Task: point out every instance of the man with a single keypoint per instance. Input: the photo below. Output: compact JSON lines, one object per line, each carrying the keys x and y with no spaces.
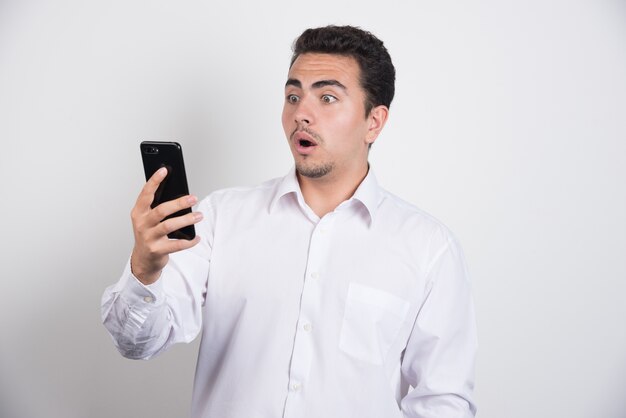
{"x":318,"y":294}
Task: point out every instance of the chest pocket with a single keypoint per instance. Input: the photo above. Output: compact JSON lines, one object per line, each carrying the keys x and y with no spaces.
{"x":371,"y":322}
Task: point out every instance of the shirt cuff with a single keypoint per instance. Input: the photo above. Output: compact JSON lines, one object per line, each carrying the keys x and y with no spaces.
{"x":140,"y":295}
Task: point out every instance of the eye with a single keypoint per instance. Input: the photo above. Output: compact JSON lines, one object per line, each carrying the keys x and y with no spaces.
{"x":327,"y":98}
{"x":292,"y":98}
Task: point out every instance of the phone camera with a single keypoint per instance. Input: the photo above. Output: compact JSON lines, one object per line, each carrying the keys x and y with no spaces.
{"x":152,"y":150}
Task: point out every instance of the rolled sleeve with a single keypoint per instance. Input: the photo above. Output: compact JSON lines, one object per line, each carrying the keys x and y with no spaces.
{"x":133,"y":313}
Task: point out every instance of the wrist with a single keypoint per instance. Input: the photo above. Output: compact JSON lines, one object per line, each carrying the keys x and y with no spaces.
{"x":145,"y":276}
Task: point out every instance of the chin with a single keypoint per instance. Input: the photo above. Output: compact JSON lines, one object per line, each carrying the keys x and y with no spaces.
{"x":314,"y":171}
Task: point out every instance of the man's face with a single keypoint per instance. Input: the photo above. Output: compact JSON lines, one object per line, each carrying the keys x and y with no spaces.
{"x":324,"y":116}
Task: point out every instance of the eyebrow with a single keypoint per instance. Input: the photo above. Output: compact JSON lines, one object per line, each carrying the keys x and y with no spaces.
{"x":317,"y":85}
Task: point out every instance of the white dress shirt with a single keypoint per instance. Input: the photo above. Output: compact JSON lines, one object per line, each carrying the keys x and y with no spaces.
{"x":364,"y":313}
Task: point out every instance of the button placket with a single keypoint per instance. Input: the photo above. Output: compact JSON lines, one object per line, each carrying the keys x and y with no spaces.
{"x":303,"y":351}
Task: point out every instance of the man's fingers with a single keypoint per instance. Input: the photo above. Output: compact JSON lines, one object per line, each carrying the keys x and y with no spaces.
{"x":164,"y":246}
{"x":178,"y":222}
{"x":168,"y":246}
{"x":182,"y":244}
{"x":146,"y":196}
{"x":165,"y":209}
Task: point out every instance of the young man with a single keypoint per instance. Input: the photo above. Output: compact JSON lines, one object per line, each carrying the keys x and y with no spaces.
{"x":318,"y":294}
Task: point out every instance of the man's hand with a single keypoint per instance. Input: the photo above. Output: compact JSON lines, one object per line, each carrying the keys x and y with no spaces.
{"x":152,"y":246}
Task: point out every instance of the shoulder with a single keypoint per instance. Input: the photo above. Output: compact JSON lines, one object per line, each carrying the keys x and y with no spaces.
{"x":252,"y":197}
{"x":412,"y":224}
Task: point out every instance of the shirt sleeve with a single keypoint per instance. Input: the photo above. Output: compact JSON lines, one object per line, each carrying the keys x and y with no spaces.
{"x":438,"y":362}
{"x":146,"y":320}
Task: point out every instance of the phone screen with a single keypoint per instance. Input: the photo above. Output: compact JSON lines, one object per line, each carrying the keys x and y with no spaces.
{"x":157,"y":154}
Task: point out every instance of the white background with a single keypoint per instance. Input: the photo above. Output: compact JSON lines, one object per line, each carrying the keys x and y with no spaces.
{"x":509,"y":125}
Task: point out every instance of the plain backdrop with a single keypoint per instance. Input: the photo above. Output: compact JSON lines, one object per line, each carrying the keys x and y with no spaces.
{"x":509,"y":125}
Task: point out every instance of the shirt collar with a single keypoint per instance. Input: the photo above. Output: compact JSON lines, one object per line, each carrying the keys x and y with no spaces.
{"x":368,"y":193}
{"x":287,"y":185}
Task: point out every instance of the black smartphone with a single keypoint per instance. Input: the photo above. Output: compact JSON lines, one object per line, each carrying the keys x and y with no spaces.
{"x":157,"y":154}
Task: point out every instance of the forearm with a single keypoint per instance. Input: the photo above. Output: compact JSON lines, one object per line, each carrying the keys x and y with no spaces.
{"x":146,"y":316}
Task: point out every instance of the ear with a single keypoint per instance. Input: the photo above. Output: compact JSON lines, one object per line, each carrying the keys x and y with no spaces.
{"x":377,"y":119}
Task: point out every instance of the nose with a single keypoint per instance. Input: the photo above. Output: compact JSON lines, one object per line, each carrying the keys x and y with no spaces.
{"x":304,"y":112}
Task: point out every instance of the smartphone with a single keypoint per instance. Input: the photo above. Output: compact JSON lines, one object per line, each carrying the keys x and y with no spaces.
{"x":157,"y":154}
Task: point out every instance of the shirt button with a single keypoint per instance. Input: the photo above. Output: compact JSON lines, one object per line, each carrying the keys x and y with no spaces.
{"x":323,"y":230}
{"x":307,"y":327}
{"x":315,"y":275}
{"x":148,"y":299}
{"x":296,"y":386}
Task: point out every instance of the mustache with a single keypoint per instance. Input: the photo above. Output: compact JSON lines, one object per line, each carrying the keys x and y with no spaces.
{"x":307,"y":130}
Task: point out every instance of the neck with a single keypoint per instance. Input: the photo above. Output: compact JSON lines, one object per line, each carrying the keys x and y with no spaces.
{"x":324,"y":194}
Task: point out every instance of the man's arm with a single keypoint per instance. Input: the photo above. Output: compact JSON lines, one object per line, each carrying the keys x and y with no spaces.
{"x":158,"y":299}
{"x":439,"y":359}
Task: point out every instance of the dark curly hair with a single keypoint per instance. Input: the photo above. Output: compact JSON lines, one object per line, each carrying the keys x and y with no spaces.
{"x":377,"y":73}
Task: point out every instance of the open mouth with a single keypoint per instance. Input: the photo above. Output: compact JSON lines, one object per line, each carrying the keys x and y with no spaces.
{"x":304,"y":142}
